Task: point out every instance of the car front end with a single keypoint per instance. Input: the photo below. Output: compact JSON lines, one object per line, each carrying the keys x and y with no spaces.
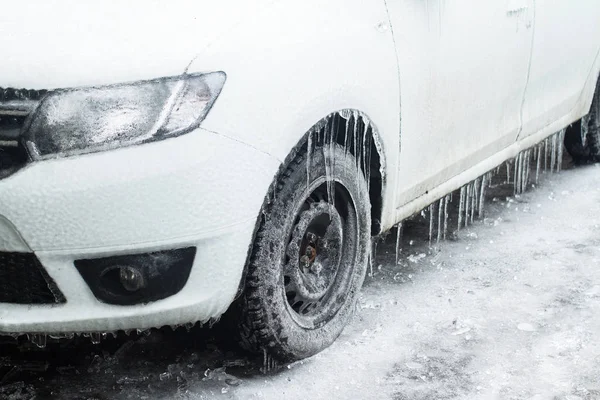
{"x":118,"y":210}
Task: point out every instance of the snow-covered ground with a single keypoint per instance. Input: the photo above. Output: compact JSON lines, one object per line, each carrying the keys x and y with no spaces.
{"x":509,"y":309}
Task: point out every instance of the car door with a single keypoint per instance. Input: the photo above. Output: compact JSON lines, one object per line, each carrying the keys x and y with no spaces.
{"x":566,"y":43}
{"x":463,"y":67}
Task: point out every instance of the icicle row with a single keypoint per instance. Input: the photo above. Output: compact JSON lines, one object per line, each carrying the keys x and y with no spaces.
{"x":546,"y":154}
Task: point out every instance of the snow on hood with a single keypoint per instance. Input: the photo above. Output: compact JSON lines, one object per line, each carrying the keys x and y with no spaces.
{"x":57,"y":44}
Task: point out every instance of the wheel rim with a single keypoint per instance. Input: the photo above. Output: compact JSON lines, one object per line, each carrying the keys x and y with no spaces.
{"x":320,"y":255}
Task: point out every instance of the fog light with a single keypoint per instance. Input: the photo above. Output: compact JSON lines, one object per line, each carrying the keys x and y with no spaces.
{"x":137,"y":278}
{"x":132,"y":279}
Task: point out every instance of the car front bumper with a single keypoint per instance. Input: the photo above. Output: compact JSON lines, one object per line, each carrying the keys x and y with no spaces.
{"x":200,"y":189}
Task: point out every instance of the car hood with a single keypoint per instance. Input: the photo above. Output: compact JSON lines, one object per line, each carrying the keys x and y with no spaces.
{"x":58,"y":44}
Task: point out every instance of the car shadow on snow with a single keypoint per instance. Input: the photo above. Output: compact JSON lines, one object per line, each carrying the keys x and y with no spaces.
{"x":154,"y":364}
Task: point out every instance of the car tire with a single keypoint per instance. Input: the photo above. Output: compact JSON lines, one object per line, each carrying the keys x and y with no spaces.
{"x":582,"y":139}
{"x":309,"y":258}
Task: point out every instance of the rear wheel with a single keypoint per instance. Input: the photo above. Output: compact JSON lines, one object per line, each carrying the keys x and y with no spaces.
{"x":582,"y":139}
{"x":309,"y":258}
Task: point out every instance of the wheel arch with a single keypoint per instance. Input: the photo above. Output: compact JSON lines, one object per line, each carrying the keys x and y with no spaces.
{"x":343,"y":123}
{"x":356,"y":132}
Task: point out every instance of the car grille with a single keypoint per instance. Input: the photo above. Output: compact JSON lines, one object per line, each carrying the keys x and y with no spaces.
{"x":15,"y":106}
{"x":23,"y":280}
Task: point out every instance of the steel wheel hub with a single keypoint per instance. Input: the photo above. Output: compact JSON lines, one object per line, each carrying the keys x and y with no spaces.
{"x":314,"y":253}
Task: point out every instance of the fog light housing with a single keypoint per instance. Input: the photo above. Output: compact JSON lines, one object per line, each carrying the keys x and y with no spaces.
{"x":137,"y":278}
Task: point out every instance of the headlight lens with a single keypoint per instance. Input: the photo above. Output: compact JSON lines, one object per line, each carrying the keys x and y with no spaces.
{"x":86,"y":120}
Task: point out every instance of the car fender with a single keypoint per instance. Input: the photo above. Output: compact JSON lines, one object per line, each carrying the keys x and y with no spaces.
{"x":291,"y":64}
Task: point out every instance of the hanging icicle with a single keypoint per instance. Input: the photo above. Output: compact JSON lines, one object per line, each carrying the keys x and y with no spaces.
{"x":447,"y":199}
{"x":366,"y":154}
{"x":561,"y":140}
{"x":484,"y":181}
{"x":474,"y":199}
{"x":467,"y":204}
{"x":440,"y":215}
{"x":461,"y":206}
{"x":372,"y":255}
{"x":398,"y":242}
{"x":346,"y":131}
{"x":538,"y":164}
{"x":546,"y":155}
{"x":308,"y":158}
{"x":431,"y":218}
{"x":553,"y":154}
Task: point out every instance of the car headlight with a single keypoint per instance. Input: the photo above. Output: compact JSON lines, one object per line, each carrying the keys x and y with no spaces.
{"x":85,"y":120}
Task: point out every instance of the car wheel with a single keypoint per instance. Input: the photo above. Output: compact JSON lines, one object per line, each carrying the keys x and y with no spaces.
{"x":309,"y":258}
{"x":582,"y":139}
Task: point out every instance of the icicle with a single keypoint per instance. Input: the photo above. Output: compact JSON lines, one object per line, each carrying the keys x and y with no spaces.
{"x":508,"y":172}
{"x":519,"y":172}
{"x":545,"y":154}
{"x":553,"y":154}
{"x":467,"y":200}
{"x":366,"y":151}
{"x":519,"y":180}
{"x":478,"y":183}
{"x":347,"y":128}
{"x":330,"y":180}
{"x":355,"y":134}
{"x":327,"y":173}
{"x":461,"y":206}
{"x":561,"y":140}
{"x":446,"y":200}
{"x":522,"y":170}
{"x":516,"y":177}
{"x":356,"y":148}
{"x":95,"y":337}
{"x":326,"y":159}
{"x":439,"y":225}
{"x":431,"y":218}
{"x":308,"y":155}
{"x":482,"y":195}
{"x":372,"y":256}
{"x":585,"y":124}
{"x":526,"y":167}
{"x":538,"y":165}
{"x":398,"y":242}
{"x":525,"y":170}
{"x":524,"y":178}
{"x":473,"y":200}
{"x":39,"y":339}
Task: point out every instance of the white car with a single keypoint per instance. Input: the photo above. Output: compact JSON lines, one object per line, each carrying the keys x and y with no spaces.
{"x":160,"y":161}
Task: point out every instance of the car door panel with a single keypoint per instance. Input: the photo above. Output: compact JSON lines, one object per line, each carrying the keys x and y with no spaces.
{"x":565,"y":45}
{"x":463,"y":70}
